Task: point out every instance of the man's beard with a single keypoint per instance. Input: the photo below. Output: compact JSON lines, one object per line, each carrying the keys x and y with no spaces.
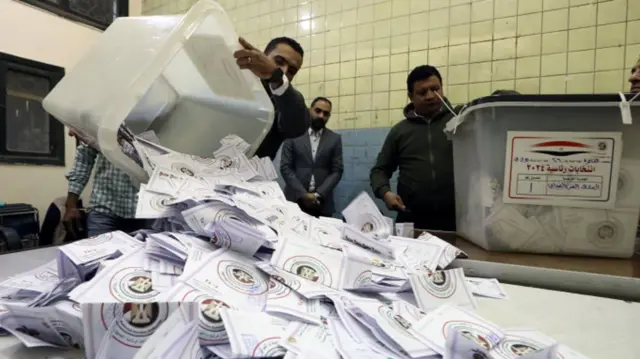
{"x":317,"y":124}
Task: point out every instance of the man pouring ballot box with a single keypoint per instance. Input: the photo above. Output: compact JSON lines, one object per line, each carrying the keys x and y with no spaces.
{"x":276,"y":67}
{"x":114,"y":197}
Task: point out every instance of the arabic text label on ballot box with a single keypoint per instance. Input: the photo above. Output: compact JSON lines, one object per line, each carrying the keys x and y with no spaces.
{"x":553,"y":174}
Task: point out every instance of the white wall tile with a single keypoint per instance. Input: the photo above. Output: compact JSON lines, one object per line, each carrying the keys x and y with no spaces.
{"x":359,"y":52}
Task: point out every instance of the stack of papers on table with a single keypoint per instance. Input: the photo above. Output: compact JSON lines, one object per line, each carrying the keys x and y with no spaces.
{"x":231,"y":269}
{"x":82,"y":258}
{"x":36,"y":287}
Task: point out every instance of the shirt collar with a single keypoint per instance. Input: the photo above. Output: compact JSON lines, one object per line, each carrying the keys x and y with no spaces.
{"x":315,"y":133}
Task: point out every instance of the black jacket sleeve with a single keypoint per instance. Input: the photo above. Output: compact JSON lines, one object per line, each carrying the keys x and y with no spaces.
{"x":386,"y":164}
{"x":293,"y":115}
{"x":337,"y":168}
{"x":287,"y":171}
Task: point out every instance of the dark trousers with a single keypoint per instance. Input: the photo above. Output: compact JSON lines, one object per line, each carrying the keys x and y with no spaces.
{"x":99,"y":223}
{"x":52,"y":220}
{"x":432,"y":221}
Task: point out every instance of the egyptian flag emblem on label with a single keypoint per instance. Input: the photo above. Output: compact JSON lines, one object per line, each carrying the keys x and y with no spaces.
{"x":566,"y":148}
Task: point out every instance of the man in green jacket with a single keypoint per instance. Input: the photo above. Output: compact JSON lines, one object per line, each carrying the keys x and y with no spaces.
{"x":419,"y":148}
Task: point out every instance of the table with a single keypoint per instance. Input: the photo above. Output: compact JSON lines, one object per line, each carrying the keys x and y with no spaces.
{"x":610,"y":266}
{"x":10,"y":347}
{"x":623,"y":267}
{"x":596,"y":327}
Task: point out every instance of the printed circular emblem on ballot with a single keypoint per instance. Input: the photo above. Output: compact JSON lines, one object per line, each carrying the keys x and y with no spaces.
{"x":517,"y":346}
{"x":242,"y":278}
{"x":202,"y":160}
{"x":439,"y":284}
{"x":370,"y":224}
{"x":210,"y":328}
{"x":472,"y":331}
{"x":224,"y":213}
{"x":76,"y":307}
{"x":414,"y":312}
{"x":63,"y":330}
{"x":138,"y":321}
{"x":225,"y":162}
{"x":159,"y":203}
{"x":395,"y":320}
{"x":220,"y":238}
{"x":94,"y":241}
{"x":277,"y":289}
{"x":289,"y":282}
{"x":48,"y":276}
{"x":270,"y":191}
{"x":606,"y":234}
{"x":268,"y":348}
{"x":132,"y":284}
{"x":367,"y":227}
{"x":309,"y":268}
{"x":363,"y":279}
{"x":319,"y":234}
{"x":183,"y":168}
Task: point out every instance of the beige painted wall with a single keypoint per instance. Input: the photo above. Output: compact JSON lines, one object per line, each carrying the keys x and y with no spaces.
{"x":359,"y":52}
{"x":39,"y":35}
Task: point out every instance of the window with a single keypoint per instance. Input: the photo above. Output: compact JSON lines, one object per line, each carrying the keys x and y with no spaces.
{"x":97,"y":13}
{"x":28,"y":134}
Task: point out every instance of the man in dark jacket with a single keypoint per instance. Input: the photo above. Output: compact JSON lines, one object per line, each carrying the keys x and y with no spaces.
{"x":423,"y":153}
{"x":634,"y":79}
{"x":277,"y":66}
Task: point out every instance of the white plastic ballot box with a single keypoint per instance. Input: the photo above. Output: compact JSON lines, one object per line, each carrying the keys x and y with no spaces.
{"x":548,"y":174}
{"x":173,"y":74}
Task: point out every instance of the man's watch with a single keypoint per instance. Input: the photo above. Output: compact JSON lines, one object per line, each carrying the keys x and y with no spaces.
{"x":276,"y":77}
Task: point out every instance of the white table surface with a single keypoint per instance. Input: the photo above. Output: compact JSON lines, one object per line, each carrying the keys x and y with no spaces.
{"x":599,"y":328}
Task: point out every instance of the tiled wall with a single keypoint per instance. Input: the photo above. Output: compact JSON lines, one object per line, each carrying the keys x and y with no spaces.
{"x":359,"y":51}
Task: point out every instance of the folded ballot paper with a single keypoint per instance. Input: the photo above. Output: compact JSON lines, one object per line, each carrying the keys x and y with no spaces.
{"x":492,"y":224}
{"x":230,"y":269}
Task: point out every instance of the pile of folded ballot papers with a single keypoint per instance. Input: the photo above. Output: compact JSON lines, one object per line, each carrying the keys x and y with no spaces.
{"x":231,"y":269}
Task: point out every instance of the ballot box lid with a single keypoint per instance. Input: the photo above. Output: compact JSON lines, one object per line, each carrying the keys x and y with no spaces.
{"x":174,"y":75}
{"x":552,"y":100}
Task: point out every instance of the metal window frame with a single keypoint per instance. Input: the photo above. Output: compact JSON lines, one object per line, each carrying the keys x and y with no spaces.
{"x":64,"y":10}
{"x":56,"y":155}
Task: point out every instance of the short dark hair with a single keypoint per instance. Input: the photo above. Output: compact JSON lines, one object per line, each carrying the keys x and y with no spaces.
{"x":422,"y":73}
{"x":320,"y":98}
{"x":505,"y":93}
{"x":284,"y":40}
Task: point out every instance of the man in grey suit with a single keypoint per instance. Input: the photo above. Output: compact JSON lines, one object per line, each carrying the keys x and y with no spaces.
{"x":311,"y":165}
